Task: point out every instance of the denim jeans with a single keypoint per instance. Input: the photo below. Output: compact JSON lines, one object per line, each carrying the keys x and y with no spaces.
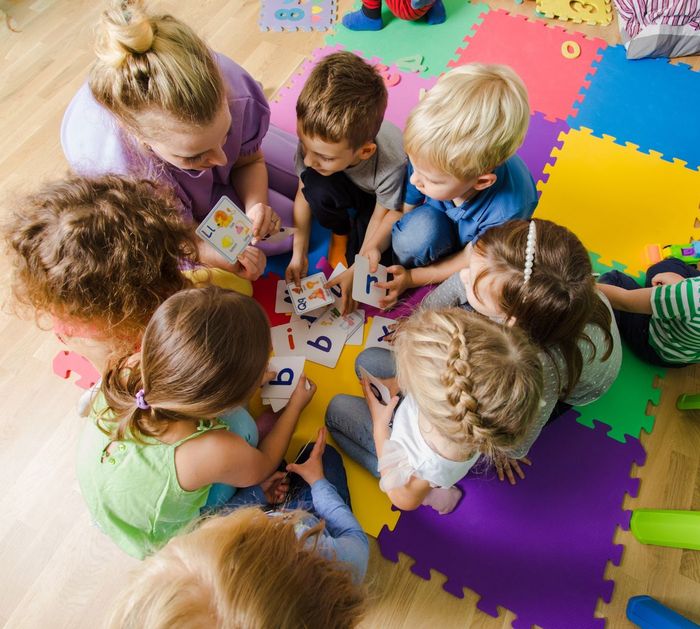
{"x":348,"y":418}
{"x":300,"y":492}
{"x":423,"y":236}
{"x":633,"y":326}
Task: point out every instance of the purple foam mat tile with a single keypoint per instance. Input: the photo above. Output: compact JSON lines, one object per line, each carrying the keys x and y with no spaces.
{"x":297,"y":15}
{"x":542,"y":137}
{"x":538,"y":548}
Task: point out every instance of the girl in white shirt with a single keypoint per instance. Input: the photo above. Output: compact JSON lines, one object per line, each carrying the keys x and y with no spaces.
{"x":470,"y":387}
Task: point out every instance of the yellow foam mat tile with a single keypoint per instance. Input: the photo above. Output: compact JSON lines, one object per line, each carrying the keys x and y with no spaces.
{"x":370,"y":505}
{"x":617,"y":200}
{"x":578,"y":11}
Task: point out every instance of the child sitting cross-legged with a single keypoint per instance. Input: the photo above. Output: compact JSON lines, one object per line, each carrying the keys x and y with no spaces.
{"x":464,"y":176}
{"x":350,"y":161}
{"x":153,"y":449}
{"x":470,"y":388}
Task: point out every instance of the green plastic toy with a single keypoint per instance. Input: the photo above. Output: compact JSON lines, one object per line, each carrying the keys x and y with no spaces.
{"x":677,"y":529}
{"x":689,"y":253}
{"x":688,"y":402}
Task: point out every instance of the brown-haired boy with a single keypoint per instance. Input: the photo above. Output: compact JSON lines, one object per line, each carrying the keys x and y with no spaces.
{"x":350,"y":161}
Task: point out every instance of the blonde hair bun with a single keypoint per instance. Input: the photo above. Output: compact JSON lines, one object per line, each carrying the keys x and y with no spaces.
{"x":124,"y":29}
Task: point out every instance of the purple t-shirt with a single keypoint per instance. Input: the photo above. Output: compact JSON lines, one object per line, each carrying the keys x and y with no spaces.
{"x":94,"y":143}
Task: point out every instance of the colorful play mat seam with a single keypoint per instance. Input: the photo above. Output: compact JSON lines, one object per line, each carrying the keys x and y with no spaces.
{"x":612,"y":165}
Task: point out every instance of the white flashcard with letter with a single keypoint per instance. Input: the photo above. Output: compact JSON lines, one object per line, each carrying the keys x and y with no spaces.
{"x":283,"y":302}
{"x":380,"y":390}
{"x":289,"y":339}
{"x":227,"y":229}
{"x":324,"y":346}
{"x":382,"y":328}
{"x":364,"y":283}
{"x":311,"y":295}
{"x":288,"y":370}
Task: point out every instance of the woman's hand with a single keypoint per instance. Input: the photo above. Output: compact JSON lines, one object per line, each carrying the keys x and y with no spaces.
{"x":265,"y":221}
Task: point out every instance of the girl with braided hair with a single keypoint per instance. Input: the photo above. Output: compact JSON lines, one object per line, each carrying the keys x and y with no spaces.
{"x":536,"y":275}
{"x":469,"y":387}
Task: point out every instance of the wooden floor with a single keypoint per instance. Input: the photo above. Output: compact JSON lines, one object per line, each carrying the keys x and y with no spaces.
{"x":58,"y":571}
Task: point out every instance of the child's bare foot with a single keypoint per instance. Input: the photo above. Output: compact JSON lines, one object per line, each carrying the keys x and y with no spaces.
{"x":443,"y":499}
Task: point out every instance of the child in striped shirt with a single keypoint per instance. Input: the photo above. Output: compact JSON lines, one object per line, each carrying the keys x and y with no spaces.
{"x":660,"y":322}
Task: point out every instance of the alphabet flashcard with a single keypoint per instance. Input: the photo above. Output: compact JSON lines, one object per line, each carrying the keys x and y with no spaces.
{"x":324,"y":346}
{"x":380,"y":390}
{"x":364,"y":283}
{"x":380,"y":333}
{"x":283,"y":302}
{"x":288,"y":370}
{"x":311,"y":295}
{"x":337,"y":291}
{"x":289,"y":339}
{"x":227,"y":229}
{"x":334,"y":319}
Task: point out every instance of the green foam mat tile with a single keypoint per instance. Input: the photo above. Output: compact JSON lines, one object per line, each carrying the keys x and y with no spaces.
{"x":400,"y":39}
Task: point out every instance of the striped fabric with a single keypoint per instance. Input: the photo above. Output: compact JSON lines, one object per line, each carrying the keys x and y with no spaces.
{"x":674,"y":329}
{"x":636,"y":14}
{"x":402,"y":9}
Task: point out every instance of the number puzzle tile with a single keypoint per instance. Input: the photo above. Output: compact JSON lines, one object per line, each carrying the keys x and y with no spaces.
{"x":297,"y":15}
{"x":577,"y":11}
{"x":534,"y":51}
{"x":539,"y":548}
{"x":618,"y":200}
{"x":628,"y":406}
{"x":404,"y":90}
{"x":400,"y":39}
{"x":648,"y":102}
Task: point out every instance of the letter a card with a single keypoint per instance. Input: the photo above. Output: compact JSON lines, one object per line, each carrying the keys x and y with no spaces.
{"x":311,"y":295}
{"x":227,"y":229}
{"x":288,"y":370}
{"x":364,"y":283}
{"x":289,"y":339}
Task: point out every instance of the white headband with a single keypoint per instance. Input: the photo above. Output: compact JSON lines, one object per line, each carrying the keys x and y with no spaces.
{"x":530,"y":252}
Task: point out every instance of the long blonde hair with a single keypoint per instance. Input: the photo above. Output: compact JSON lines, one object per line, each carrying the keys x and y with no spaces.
{"x":203,"y":353}
{"x":477,"y":383}
{"x":245,"y":570}
{"x":147,"y":62}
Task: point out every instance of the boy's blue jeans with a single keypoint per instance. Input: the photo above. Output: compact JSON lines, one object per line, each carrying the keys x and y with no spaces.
{"x":348,"y":418}
{"x":425,"y":235}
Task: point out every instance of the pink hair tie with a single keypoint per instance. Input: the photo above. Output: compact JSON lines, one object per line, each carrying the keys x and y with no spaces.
{"x":141,"y":400}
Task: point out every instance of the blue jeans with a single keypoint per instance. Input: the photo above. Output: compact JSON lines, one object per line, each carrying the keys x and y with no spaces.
{"x":300,"y":491}
{"x":633,"y":326}
{"x":348,"y":418}
{"x":423,"y":236}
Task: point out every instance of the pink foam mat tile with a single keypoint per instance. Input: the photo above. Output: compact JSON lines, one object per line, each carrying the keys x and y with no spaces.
{"x":540,"y":54}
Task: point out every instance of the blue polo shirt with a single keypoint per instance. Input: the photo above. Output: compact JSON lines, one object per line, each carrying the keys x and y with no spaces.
{"x":512,"y":196}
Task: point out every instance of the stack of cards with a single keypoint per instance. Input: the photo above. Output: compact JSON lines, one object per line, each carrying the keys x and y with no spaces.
{"x":288,"y":370}
{"x":328,"y":334}
{"x":227,"y":229}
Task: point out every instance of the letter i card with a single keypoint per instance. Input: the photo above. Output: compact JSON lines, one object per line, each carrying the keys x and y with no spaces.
{"x":227,"y":229}
{"x":364,"y":283}
{"x":311,"y":295}
{"x":288,"y":370}
{"x":289,"y":339}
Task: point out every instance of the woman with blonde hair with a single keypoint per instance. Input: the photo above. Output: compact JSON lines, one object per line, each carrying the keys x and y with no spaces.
{"x":256,"y":569}
{"x":468,"y":388}
{"x":160,"y":104}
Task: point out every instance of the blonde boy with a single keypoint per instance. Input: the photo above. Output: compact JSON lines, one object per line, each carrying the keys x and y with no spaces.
{"x":464,"y":175}
{"x":351,"y":162}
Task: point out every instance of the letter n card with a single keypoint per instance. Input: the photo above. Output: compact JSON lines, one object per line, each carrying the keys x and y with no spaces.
{"x":364,"y":283}
{"x":227,"y":229}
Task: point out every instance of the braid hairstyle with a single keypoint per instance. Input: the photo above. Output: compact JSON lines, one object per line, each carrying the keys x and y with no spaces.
{"x":203,"y":353}
{"x":560,"y":298}
{"x":477,"y":383}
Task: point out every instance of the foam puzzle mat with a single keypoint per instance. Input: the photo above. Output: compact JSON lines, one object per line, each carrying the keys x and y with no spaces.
{"x":614,"y":167}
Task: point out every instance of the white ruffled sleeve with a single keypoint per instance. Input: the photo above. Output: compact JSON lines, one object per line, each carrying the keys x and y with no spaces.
{"x":394,"y":466}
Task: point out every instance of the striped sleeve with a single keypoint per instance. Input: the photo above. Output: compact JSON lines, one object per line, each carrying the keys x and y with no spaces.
{"x":677,"y":301}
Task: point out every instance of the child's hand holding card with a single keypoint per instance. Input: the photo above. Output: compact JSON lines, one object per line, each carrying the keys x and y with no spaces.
{"x":311,"y":295}
{"x":381,"y":333}
{"x":288,"y":370}
{"x":364,"y":285}
{"x":227,"y":229}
